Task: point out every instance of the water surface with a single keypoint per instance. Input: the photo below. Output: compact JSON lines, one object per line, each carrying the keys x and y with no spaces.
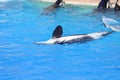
{"x":21,"y":24}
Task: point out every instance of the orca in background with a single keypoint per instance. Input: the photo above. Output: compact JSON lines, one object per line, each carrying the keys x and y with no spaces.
{"x":78,"y":38}
{"x":117,"y":7}
{"x":57,"y":4}
{"x":102,"y":6}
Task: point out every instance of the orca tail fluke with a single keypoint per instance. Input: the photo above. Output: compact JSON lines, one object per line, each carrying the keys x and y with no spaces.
{"x":108,"y":33}
{"x":106,"y":22}
{"x":57,"y":32}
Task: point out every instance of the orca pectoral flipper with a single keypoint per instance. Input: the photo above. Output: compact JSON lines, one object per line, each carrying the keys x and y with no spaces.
{"x":57,"y":32}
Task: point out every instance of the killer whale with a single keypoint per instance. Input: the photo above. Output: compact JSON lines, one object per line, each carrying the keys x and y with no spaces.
{"x":117,"y":6}
{"x":53,"y":7}
{"x":79,"y":38}
{"x":107,"y":5}
{"x":102,"y":4}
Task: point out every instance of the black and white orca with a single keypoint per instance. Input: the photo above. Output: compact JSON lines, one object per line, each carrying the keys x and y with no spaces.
{"x":79,"y":38}
{"x":53,"y":7}
{"x":117,"y":6}
{"x":103,"y":4}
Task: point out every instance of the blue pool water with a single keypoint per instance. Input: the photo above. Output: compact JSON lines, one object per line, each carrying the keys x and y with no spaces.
{"x":21,"y":24}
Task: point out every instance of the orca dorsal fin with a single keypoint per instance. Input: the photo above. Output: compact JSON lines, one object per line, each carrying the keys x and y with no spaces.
{"x":57,"y":32}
